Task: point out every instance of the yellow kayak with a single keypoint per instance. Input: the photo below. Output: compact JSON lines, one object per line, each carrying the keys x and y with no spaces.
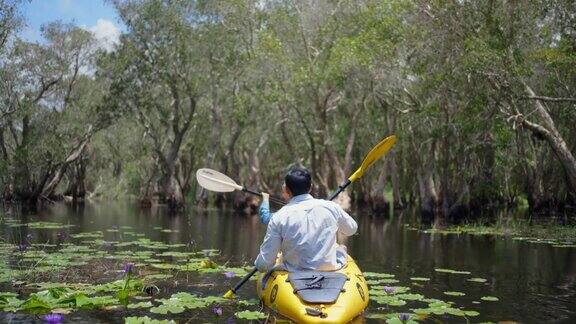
{"x":316,"y":297}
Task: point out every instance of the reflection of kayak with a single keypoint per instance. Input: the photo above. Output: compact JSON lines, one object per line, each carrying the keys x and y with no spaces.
{"x":316,"y":297}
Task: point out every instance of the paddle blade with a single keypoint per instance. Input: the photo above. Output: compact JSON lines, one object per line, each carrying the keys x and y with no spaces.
{"x":216,"y":181}
{"x":377,"y":152}
{"x":229,"y":294}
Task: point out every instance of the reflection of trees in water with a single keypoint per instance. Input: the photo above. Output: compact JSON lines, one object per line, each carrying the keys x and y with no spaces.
{"x":535,"y":282}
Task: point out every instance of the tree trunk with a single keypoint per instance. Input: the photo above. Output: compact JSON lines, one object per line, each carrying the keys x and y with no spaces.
{"x":397,"y":200}
{"x":549,"y":132}
{"x":377,"y":198}
{"x":50,"y":186}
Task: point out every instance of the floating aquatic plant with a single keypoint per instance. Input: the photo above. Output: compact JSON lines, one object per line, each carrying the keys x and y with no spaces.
{"x":454,"y":293}
{"x":179,"y":302}
{"x":410,"y":296}
{"x":452,"y":271}
{"x":490,"y":298}
{"x":140,"y":305}
{"x":217,"y":311}
{"x":146,"y":320}
{"x":158,"y":276}
{"x":47,"y":225}
{"x":393,"y":318}
{"x":388,"y":300}
{"x":377,"y":275}
{"x":382,"y":281}
{"x":250,"y":315}
{"x":249,"y":302}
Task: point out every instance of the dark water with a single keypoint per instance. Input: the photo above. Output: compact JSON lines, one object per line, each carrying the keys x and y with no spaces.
{"x":535,"y":283}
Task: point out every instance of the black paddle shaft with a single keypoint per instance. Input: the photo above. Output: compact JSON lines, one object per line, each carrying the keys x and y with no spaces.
{"x":341,"y":188}
{"x":272,"y":198}
{"x":246,"y":277}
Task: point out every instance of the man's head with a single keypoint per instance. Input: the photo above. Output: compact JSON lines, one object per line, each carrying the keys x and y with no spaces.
{"x":297,"y":181}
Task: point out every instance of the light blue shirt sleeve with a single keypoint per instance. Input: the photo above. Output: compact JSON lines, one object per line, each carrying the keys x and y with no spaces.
{"x":269,"y":248}
{"x":264,"y":211}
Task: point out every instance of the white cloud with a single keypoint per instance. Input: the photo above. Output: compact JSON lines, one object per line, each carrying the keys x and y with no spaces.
{"x":107,"y":34}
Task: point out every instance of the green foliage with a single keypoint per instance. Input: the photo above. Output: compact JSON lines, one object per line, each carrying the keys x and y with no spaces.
{"x":146,"y":320}
{"x":233,"y":84}
{"x":180,"y":302}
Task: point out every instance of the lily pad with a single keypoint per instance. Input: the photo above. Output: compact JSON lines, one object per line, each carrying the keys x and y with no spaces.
{"x":480,"y":280}
{"x":47,"y":225}
{"x":179,"y":302}
{"x":388,"y":300}
{"x":158,"y":276}
{"x":250,"y":315}
{"x":452,"y":271}
{"x":377,"y":275}
{"x":382,"y":281}
{"x":140,"y":305}
{"x":490,"y":298}
{"x":249,"y":302}
{"x":454,"y":293}
{"x":409,"y":296}
{"x":168,"y":308}
{"x":391,"y":318}
{"x":471,"y":313}
{"x":419,"y":279}
{"x":146,"y":320}
{"x":374,"y":290}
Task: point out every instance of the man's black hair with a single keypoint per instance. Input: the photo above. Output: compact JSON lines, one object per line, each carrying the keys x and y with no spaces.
{"x":298,"y":180}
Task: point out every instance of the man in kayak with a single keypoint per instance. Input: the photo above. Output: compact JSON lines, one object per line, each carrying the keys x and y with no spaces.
{"x":304,"y":230}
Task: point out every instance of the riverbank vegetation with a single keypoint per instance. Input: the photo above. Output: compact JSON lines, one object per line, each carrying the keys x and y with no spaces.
{"x":480,"y":94}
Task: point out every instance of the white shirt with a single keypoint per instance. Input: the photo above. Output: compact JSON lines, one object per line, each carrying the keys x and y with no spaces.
{"x":305,"y":232}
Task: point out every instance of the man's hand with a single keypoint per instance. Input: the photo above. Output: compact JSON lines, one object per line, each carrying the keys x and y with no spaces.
{"x":265,"y":196}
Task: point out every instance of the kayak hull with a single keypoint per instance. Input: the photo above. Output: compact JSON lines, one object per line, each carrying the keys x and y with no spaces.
{"x":278,"y":295}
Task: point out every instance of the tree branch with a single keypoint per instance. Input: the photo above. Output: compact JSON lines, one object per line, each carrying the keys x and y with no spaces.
{"x":551,"y":99}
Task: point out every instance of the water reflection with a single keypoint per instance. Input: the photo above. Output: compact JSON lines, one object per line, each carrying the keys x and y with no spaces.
{"x":534,"y":282}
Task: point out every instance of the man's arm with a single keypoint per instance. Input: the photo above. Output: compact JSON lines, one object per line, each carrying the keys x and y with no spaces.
{"x":346,"y":224}
{"x":264,"y":210}
{"x":269,"y":248}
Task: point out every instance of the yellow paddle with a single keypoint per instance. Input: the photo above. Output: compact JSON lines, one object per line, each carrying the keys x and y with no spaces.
{"x":377,"y":152}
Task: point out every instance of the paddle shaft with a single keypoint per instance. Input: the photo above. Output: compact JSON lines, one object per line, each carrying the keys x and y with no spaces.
{"x":341,"y":188}
{"x":272,"y":198}
{"x":246,"y":278}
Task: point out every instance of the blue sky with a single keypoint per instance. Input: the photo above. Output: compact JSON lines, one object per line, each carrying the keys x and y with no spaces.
{"x":98,"y":16}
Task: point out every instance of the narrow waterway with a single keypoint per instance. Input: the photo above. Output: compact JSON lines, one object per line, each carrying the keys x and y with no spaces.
{"x":534,"y":283}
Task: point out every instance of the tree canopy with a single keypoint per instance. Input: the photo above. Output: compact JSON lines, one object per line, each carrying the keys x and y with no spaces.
{"x":481,"y":95}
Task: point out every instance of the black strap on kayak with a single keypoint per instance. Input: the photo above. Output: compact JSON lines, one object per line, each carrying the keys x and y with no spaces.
{"x":315,"y":281}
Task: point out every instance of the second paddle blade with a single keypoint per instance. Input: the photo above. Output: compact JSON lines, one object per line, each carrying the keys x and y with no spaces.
{"x":216,"y":181}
